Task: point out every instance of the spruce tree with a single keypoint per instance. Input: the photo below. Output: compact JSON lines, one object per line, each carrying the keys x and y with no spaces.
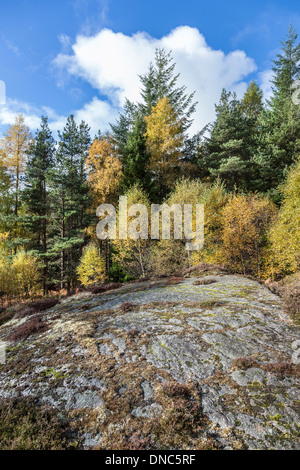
{"x":136,"y":158}
{"x":279,"y":145}
{"x":161,"y":82}
{"x":229,"y":150}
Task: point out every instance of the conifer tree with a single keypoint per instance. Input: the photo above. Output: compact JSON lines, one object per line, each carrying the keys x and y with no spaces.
{"x":279,"y":144}
{"x":252,"y":102}
{"x":230,"y":148}
{"x":135,"y":157}
{"x":161,"y":81}
{"x":69,"y":197}
{"x":35,"y":196}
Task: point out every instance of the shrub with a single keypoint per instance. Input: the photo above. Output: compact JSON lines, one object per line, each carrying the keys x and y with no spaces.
{"x":36,"y":325}
{"x":291,"y":297}
{"x":284,"y":235}
{"x":6,"y":284}
{"x":204,"y":282}
{"x":244,"y":362}
{"x":283,"y":368}
{"x":245,"y":222}
{"x":105,"y":287}
{"x":25,"y":273}
{"x":182,"y":419}
{"x":213,"y":197}
{"x":24,"y":425}
{"x":138,"y":442}
{"x":126,"y":307}
{"x":168,"y":257}
{"x":203,"y":268}
{"x":37,"y":307}
{"x":132,"y":255}
{"x":175,"y":389}
{"x":91,"y":269}
{"x":6,"y":315}
{"x":175,"y":280}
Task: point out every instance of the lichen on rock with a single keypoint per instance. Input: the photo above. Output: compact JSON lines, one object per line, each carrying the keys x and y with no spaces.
{"x":191,"y":365}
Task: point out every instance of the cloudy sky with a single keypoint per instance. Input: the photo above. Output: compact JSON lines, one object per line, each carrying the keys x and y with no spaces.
{"x":84,"y":56}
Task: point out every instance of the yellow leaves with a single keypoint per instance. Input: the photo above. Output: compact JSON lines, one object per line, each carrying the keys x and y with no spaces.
{"x":3,"y":241}
{"x":26,"y":273}
{"x":284,"y":235}
{"x":133,"y":255}
{"x":214,"y":198}
{"x":164,"y":138}
{"x":14,"y":145}
{"x":19,"y":275}
{"x":5,"y":276}
{"x":104,"y":171}
{"x":91,"y":269}
{"x":245,"y":222}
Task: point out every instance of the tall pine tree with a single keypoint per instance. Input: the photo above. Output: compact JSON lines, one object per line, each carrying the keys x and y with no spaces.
{"x":70,"y":198}
{"x":35,"y":196}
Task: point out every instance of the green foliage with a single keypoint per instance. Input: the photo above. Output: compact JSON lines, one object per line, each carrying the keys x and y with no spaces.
{"x":230,"y":149}
{"x":5,"y":197}
{"x":161,"y":82}
{"x":35,"y":196}
{"x":252,"y":102}
{"x":284,"y":256}
{"x":49,"y":192}
{"x":70,"y":199}
{"x":279,"y":141}
{"x":135,"y":157}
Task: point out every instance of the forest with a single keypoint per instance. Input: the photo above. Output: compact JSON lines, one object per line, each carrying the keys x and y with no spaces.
{"x":244,"y":167}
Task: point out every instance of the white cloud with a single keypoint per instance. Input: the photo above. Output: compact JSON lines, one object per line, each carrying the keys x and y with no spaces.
{"x":11,"y":108}
{"x":111,"y":63}
{"x":96,"y":113}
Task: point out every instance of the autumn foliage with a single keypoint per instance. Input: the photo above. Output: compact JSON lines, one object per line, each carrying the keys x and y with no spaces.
{"x":91,"y":269}
{"x":245,"y":224}
{"x":285,"y":233}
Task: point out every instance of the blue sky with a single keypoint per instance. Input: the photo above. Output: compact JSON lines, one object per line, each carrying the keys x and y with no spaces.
{"x":83,"y":56}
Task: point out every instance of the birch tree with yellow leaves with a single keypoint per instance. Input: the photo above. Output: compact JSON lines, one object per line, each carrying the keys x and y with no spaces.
{"x":104,"y":170}
{"x":13,"y":148}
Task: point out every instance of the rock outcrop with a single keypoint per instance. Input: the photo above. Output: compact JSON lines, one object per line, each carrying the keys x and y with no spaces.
{"x":181,"y":364}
